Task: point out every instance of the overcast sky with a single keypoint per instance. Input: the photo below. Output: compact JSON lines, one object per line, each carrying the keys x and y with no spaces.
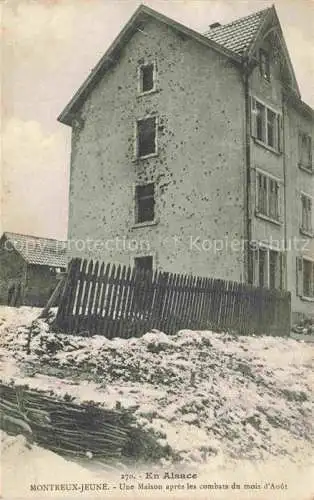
{"x":49,"y":47}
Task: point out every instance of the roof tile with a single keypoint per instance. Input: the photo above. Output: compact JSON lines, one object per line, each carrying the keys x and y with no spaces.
{"x":40,"y":251}
{"x":239,"y":34}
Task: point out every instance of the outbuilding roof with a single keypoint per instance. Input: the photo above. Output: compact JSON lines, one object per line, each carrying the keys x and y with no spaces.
{"x":39,"y":251}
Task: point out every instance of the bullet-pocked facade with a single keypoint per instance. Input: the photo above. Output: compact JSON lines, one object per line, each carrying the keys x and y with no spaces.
{"x":193,"y":153}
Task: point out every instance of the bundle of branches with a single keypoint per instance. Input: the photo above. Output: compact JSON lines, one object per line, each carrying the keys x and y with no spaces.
{"x":64,"y":427}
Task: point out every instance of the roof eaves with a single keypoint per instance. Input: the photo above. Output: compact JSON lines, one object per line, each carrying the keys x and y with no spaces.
{"x":300,"y":105}
{"x":267,"y":13}
{"x":272,"y":12}
{"x":66,"y":116}
{"x":57,"y":260}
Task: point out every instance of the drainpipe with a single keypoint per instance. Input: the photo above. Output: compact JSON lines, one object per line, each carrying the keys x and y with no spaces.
{"x":284,"y":165}
{"x":248,"y":182}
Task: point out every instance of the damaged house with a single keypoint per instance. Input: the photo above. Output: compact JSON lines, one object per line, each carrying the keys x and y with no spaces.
{"x":195,"y":152}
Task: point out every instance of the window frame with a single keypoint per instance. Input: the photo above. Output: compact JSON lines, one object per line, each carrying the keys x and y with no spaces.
{"x":300,"y":292}
{"x":260,"y":246}
{"x":269,"y":178}
{"x":149,"y":253}
{"x":135,"y":198}
{"x":140,"y":90}
{"x":136,"y":137}
{"x":306,"y":167}
{"x":277,"y":130}
{"x":307,"y":231}
{"x":265,"y":74}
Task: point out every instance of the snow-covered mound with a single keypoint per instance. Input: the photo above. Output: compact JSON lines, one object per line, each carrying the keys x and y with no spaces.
{"x":25,"y":465}
{"x":208,"y":396}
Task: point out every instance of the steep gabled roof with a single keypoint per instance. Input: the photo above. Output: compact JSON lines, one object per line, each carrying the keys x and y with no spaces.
{"x":40,"y":251}
{"x":243,"y":36}
{"x":239,"y":35}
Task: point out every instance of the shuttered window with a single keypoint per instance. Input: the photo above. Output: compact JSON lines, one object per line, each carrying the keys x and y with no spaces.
{"x":306,"y":214}
{"x":269,"y":268}
{"x":305,"y":151}
{"x":268,"y":196}
{"x":305,"y":277}
{"x":266,"y":125}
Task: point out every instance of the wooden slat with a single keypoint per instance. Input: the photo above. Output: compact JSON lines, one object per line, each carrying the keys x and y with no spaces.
{"x":103,"y":279}
{"x":85,"y":296}
{"x":95,"y":314}
{"x":106,"y":318}
{"x":117,"y":324}
{"x":173,"y":303}
{"x":73,"y":285}
{"x":91,"y":298}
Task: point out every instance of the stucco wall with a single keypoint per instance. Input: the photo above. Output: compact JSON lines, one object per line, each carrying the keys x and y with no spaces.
{"x":297,"y":181}
{"x":199,"y":171}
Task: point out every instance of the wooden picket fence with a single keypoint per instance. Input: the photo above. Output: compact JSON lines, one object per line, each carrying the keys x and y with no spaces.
{"x":120,"y":301}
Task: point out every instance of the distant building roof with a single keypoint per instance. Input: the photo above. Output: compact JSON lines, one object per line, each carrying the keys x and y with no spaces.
{"x":238,"y":35}
{"x":39,"y":251}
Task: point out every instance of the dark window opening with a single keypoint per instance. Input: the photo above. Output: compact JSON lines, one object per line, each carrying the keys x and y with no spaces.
{"x":147,"y":78}
{"x":264,"y":64}
{"x":146,"y":136}
{"x":145,"y":203}
{"x":271,"y":128}
{"x":308,"y":278}
{"x":273,"y":199}
{"x":260,"y":121}
{"x":306,"y":222}
{"x":262,"y":194}
{"x":144,"y":263}
{"x":305,"y":151}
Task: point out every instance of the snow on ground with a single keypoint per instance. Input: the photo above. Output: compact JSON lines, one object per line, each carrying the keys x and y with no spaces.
{"x":215,"y":399}
{"x":27,"y":466}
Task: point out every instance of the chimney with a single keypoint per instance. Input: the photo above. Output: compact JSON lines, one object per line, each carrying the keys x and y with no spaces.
{"x":214,"y":25}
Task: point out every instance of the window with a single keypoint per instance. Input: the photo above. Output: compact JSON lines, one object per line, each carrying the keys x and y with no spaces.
{"x":145,"y":203}
{"x":146,"y":137}
{"x":305,"y":151}
{"x":266,"y":125}
{"x":144,"y":263}
{"x":264,"y":64}
{"x":271,"y":128}
{"x":260,"y":122}
{"x":305,"y":278}
{"x":308,"y":278}
{"x":268,"y":268}
{"x":267,"y":196}
{"x":306,"y":214}
{"x":147,"y":78}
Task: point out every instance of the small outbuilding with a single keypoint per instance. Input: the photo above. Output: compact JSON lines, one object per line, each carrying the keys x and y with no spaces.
{"x":29,"y":268}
